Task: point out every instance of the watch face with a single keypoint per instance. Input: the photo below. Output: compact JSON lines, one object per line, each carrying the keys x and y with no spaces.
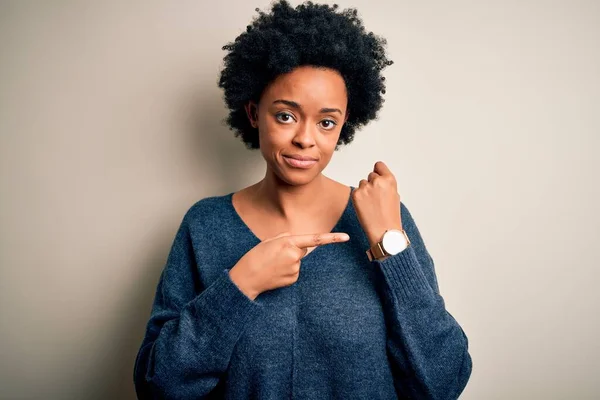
{"x":394,"y":241}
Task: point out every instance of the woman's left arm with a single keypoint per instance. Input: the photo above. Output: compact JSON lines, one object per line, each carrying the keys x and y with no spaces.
{"x":427,"y":347}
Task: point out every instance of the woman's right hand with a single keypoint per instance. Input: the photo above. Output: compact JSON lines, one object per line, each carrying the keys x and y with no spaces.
{"x":275,"y":262}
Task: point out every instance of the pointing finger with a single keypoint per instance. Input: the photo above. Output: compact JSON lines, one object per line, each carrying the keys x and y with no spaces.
{"x":282,"y":234}
{"x":318,"y":239}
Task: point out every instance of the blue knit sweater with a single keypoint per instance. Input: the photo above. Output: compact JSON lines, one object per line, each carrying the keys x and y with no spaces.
{"x":349,"y":328}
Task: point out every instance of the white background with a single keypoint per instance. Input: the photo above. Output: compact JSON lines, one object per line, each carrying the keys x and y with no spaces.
{"x":110,"y":129}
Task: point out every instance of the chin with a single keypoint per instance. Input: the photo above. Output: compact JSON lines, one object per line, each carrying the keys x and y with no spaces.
{"x":298,"y":177}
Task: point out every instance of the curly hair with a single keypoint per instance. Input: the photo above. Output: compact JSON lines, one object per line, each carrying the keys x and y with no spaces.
{"x":310,"y":34}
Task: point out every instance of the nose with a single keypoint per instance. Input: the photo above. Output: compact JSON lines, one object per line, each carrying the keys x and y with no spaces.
{"x":305,"y":135}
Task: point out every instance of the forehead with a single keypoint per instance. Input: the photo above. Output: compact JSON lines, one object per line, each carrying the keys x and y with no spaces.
{"x":309,"y":86}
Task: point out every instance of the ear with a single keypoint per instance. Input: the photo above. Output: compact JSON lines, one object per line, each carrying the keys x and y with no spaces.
{"x":252,"y":113}
{"x":347,"y":114}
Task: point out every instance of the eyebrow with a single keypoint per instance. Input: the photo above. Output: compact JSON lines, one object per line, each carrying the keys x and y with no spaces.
{"x":296,"y":105}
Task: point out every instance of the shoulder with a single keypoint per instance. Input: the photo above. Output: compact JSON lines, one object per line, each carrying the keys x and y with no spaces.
{"x":207,"y":211}
{"x":408,"y":223}
{"x":414,"y":233}
{"x":405,"y":213}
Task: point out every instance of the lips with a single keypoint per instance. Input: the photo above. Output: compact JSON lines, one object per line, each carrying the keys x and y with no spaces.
{"x":300,"y":157}
{"x":296,"y":163}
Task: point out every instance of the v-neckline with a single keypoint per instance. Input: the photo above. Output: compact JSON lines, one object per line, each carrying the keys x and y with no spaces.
{"x":257,"y":240}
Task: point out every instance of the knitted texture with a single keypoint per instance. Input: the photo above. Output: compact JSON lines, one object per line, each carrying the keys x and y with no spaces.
{"x":349,"y":328}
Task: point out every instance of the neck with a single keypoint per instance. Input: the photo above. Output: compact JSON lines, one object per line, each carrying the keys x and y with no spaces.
{"x":291,"y":202}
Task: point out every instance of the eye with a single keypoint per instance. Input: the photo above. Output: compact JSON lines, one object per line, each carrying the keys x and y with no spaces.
{"x":282,"y":115}
{"x":331,"y":125}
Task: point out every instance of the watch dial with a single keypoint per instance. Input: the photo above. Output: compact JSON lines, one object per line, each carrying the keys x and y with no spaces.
{"x":394,"y":241}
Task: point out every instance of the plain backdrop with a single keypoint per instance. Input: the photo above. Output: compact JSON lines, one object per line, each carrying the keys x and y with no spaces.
{"x":110,"y":124}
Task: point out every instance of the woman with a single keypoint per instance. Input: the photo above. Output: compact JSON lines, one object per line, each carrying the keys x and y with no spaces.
{"x":299,"y":286}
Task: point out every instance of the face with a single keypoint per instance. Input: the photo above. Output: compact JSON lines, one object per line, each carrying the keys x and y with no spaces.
{"x":300,"y":113}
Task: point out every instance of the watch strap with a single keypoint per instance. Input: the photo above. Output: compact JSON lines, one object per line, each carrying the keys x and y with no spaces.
{"x":377,"y":251}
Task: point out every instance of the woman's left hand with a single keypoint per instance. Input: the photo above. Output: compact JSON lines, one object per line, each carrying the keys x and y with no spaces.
{"x":377,"y":203}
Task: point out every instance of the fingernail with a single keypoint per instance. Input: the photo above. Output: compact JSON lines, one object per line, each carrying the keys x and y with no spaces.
{"x":345,"y":237}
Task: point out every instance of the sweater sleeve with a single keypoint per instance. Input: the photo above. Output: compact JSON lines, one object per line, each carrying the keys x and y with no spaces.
{"x":191,"y":331}
{"x":427,"y":348}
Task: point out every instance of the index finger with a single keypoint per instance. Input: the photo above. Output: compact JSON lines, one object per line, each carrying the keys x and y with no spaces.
{"x":318,"y":239}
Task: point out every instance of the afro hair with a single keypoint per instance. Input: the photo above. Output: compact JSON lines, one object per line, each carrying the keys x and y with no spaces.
{"x":310,"y":34}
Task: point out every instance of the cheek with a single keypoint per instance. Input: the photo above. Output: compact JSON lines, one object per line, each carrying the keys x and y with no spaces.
{"x":275,"y":135}
{"x":329,"y":142}
{"x":272,"y":141}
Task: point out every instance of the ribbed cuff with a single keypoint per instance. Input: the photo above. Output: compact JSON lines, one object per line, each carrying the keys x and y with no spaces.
{"x":404,"y":276}
{"x":228,"y":307}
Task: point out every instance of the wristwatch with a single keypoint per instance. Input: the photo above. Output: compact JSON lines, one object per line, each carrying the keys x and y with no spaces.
{"x":392,"y":242}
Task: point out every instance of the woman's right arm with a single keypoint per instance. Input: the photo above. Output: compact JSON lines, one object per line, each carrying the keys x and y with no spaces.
{"x":192,"y":330}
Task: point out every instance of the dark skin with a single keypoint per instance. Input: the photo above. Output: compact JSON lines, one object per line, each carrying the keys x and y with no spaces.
{"x":291,"y":199}
{"x":304,"y":201}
